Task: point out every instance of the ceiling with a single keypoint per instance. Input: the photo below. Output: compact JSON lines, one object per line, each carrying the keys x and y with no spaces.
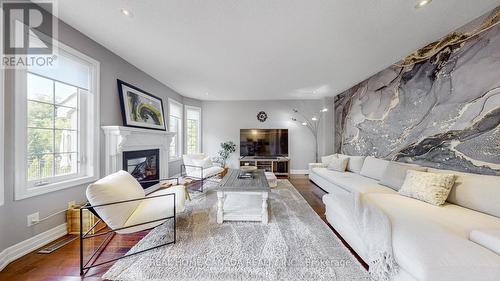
{"x":266,"y":49}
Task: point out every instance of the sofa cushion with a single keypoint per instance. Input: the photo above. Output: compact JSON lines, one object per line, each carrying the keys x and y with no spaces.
{"x":395,"y":174}
{"x":156,"y":208}
{"x":119,"y":186}
{"x":432,"y":242}
{"x":339,"y":164}
{"x":374,"y":168}
{"x":328,"y":158}
{"x":488,"y":238}
{"x":432,"y":188}
{"x":476,"y":192}
{"x":351,"y":182}
{"x":355,"y":162}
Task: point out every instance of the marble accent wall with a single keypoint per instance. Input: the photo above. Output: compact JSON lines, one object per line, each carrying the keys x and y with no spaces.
{"x":441,"y":112}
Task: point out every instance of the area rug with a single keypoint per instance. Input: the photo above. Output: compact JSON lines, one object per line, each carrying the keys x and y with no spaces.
{"x":295,"y":245}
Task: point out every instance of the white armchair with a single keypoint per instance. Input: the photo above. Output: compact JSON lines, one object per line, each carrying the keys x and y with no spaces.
{"x":120,"y":201}
{"x":199,"y":167}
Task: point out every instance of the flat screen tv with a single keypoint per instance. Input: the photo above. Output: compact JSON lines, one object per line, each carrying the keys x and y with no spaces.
{"x":264,"y":142}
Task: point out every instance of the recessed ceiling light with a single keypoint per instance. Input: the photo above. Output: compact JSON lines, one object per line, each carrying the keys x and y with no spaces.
{"x":324,"y":109}
{"x":304,"y":123}
{"x":314,"y":119}
{"x":126,"y":12}
{"x":421,"y":3}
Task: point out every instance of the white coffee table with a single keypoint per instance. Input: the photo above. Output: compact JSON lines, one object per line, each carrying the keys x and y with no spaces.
{"x":243,"y":199}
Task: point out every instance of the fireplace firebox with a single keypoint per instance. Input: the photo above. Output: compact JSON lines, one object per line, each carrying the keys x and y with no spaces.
{"x":143,"y":165}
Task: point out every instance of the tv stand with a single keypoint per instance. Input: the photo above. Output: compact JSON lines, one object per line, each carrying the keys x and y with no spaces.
{"x":264,"y":157}
{"x":280,"y":166}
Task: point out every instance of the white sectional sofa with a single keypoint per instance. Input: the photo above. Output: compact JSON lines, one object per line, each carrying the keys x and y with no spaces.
{"x":429,"y":243}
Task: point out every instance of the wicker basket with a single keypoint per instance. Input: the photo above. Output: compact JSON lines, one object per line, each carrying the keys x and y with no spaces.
{"x":89,"y":219}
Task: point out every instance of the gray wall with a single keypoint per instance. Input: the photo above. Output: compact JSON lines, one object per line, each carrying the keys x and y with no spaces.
{"x":224,"y":119}
{"x":13,"y":214}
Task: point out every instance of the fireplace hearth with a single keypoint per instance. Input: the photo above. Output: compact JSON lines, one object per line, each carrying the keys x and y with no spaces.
{"x":143,"y":165}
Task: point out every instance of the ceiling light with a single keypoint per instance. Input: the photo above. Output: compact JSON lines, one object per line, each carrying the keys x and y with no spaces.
{"x":126,"y":12}
{"x":324,"y":109}
{"x":421,"y":3}
{"x":314,"y":119}
{"x":304,"y":123}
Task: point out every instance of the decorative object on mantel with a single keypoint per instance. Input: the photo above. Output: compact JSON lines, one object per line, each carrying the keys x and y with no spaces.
{"x":227,"y":148}
{"x":139,"y":108}
{"x":312,"y":124}
{"x":262,"y":116}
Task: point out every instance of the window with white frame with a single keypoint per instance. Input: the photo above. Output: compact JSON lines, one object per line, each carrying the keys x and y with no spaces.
{"x":193,"y":129}
{"x":57,"y":124}
{"x":175,"y":126}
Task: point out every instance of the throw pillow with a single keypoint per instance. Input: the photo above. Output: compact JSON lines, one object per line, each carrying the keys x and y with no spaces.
{"x":432,"y":188}
{"x":355,"y":163}
{"x":395,"y":174}
{"x":373,"y":167}
{"x":327,"y":159}
{"x":338,"y":165}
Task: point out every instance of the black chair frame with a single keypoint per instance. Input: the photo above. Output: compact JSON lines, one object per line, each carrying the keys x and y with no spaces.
{"x":85,"y":266}
{"x":202,"y":178}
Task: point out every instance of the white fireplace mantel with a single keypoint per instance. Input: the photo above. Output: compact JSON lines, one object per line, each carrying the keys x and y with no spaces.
{"x":119,"y":139}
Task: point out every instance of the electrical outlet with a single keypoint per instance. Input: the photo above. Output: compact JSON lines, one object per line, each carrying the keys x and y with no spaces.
{"x":33,"y":219}
{"x":71,"y":204}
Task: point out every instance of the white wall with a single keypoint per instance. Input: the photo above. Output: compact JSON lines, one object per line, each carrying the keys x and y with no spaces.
{"x":222,"y":121}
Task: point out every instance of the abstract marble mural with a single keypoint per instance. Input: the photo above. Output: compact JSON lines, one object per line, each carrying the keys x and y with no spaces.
{"x":442,"y":111}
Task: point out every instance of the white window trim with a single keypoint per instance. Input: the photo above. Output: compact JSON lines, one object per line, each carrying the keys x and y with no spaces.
{"x":21,"y":188}
{"x":2,"y":137}
{"x":176,"y":158}
{"x":186,"y":108}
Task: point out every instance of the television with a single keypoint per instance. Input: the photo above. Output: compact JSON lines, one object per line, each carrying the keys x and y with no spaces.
{"x":264,"y":142}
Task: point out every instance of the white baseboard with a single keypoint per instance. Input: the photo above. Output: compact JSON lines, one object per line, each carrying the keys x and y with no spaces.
{"x":299,"y":172}
{"x":22,"y":248}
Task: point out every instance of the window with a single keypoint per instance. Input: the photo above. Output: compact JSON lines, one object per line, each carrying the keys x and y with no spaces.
{"x":57,"y":124}
{"x":175,"y":123}
{"x":193,"y":129}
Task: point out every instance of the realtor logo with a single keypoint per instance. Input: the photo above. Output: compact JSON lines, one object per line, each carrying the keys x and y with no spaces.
{"x":27,"y":33}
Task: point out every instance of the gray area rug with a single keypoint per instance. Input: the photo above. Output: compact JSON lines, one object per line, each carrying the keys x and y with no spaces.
{"x":295,"y":245}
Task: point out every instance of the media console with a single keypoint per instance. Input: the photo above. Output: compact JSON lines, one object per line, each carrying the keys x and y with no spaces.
{"x":280,"y":166}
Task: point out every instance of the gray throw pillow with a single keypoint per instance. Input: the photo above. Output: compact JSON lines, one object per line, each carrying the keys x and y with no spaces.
{"x":395,"y":174}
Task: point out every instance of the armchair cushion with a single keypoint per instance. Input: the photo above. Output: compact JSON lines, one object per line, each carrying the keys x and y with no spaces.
{"x":204,"y":163}
{"x":205,"y":168}
{"x":119,"y":186}
{"x":156,"y":208}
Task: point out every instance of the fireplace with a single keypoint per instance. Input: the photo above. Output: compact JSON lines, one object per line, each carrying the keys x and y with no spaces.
{"x":143,"y":165}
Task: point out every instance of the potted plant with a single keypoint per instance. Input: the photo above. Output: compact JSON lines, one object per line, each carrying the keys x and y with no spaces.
{"x":227,"y":148}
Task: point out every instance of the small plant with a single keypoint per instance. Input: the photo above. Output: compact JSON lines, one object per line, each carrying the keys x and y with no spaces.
{"x":227,"y":148}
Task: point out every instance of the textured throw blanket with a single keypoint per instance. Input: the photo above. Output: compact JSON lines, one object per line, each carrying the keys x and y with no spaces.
{"x":374,"y":227}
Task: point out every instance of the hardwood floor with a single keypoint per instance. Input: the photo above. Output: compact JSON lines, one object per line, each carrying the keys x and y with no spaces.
{"x":63,"y":264}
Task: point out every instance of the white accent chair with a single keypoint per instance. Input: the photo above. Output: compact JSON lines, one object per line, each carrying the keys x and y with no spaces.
{"x":199,"y":167}
{"x":120,"y":201}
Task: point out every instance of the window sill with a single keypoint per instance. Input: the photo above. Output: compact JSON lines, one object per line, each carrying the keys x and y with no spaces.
{"x":24,"y":193}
